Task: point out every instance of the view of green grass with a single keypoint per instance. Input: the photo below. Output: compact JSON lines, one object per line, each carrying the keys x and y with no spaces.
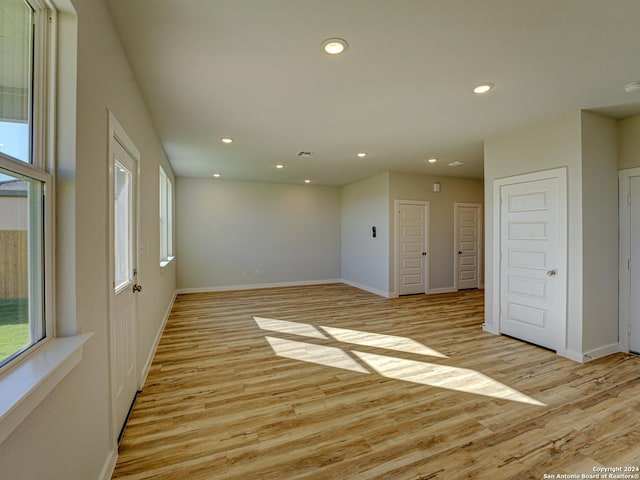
{"x":14,"y":326}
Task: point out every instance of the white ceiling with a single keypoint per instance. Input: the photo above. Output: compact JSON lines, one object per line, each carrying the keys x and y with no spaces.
{"x":253,"y":70}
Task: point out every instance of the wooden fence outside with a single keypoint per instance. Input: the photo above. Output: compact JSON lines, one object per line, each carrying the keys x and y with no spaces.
{"x":14,"y":264}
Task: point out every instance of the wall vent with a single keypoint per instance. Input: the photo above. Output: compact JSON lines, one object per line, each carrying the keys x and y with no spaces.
{"x":306,"y":154}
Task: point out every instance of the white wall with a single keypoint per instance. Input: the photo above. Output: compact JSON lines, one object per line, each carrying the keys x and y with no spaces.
{"x":441,"y":222}
{"x":600,"y":232}
{"x":245,"y":233}
{"x":365,"y":260}
{"x":629,"y":142}
{"x":68,"y":437}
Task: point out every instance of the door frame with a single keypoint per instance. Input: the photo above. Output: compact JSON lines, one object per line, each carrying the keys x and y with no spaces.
{"x":479,"y":262}
{"x":396,"y":206}
{"x":624,"y":256}
{"x":118,"y":134}
{"x":498,"y":183}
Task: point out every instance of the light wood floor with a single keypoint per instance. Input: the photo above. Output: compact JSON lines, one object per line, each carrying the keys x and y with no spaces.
{"x":219,"y":403}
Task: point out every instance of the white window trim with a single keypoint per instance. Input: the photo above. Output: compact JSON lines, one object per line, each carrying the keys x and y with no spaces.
{"x":42,"y":157}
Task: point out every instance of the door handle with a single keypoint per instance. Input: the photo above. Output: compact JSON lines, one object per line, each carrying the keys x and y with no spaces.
{"x":424,"y":253}
{"x":552,"y":273}
{"x":459,"y":252}
{"x":137,"y":288}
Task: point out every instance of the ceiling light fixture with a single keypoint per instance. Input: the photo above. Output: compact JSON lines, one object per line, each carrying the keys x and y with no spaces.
{"x":432,"y":160}
{"x":279,"y":166}
{"x":226,"y":140}
{"x":362,"y":154}
{"x":334,"y":46}
{"x":307,"y":181}
{"x":632,"y":87}
{"x":483,"y":88}
{"x":216,"y":175}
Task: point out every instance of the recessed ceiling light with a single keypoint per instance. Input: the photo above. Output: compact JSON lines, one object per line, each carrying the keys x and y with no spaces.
{"x":216,"y":175}
{"x":279,"y":166}
{"x":226,"y":140}
{"x":483,"y":88}
{"x":456,"y":164}
{"x":362,"y":154}
{"x":307,"y":181}
{"x":632,"y":87}
{"x":432,"y":160}
{"x":334,"y":46}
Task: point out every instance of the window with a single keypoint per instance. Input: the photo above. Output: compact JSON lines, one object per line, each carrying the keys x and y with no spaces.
{"x":166,"y":219}
{"x":16,"y":86}
{"x":123,"y":239}
{"x":25,"y":209}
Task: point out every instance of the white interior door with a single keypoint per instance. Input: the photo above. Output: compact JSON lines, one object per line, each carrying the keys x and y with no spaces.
{"x":634,"y":266}
{"x":411,"y":247}
{"x":467,"y":246}
{"x":533,"y":261}
{"x":123,"y":306}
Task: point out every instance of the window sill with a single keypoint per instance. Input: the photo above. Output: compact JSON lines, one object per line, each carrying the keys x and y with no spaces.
{"x":28,"y":383}
{"x":165,"y":263}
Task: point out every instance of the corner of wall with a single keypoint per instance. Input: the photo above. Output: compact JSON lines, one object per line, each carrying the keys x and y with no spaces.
{"x":629,"y":142}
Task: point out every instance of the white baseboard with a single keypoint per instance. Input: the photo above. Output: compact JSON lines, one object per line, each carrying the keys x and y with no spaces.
{"x":147,"y":364}
{"x":433,"y":291}
{"x":490,"y":328}
{"x":109,"y":465}
{"x":572,"y":355}
{"x":601,"y":352}
{"x":366,"y":288}
{"x":255,"y":286}
{"x":591,"y":354}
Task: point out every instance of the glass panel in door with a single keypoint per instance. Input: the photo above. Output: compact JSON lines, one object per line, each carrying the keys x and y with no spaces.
{"x":123,"y":238}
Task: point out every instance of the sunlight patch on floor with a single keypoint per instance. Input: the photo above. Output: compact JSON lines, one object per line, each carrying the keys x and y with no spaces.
{"x":443,"y":376}
{"x":284,"y":326}
{"x":379,"y":340}
{"x":319,"y":354}
{"x":425,"y":373}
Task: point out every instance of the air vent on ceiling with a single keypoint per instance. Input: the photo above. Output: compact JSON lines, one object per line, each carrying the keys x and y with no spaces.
{"x":456,"y":163}
{"x":306,"y":154}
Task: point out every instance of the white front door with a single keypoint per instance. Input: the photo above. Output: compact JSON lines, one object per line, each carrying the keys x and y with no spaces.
{"x":467,"y":233}
{"x":411,"y":247}
{"x":634,"y":266}
{"x":123,"y":260}
{"x":533,"y":261}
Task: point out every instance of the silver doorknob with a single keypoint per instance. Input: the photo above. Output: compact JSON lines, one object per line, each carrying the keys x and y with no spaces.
{"x":552,"y":273}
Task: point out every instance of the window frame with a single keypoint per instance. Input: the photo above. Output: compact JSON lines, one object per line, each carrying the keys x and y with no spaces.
{"x":165,"y":218}
{"x":40,"y":163}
